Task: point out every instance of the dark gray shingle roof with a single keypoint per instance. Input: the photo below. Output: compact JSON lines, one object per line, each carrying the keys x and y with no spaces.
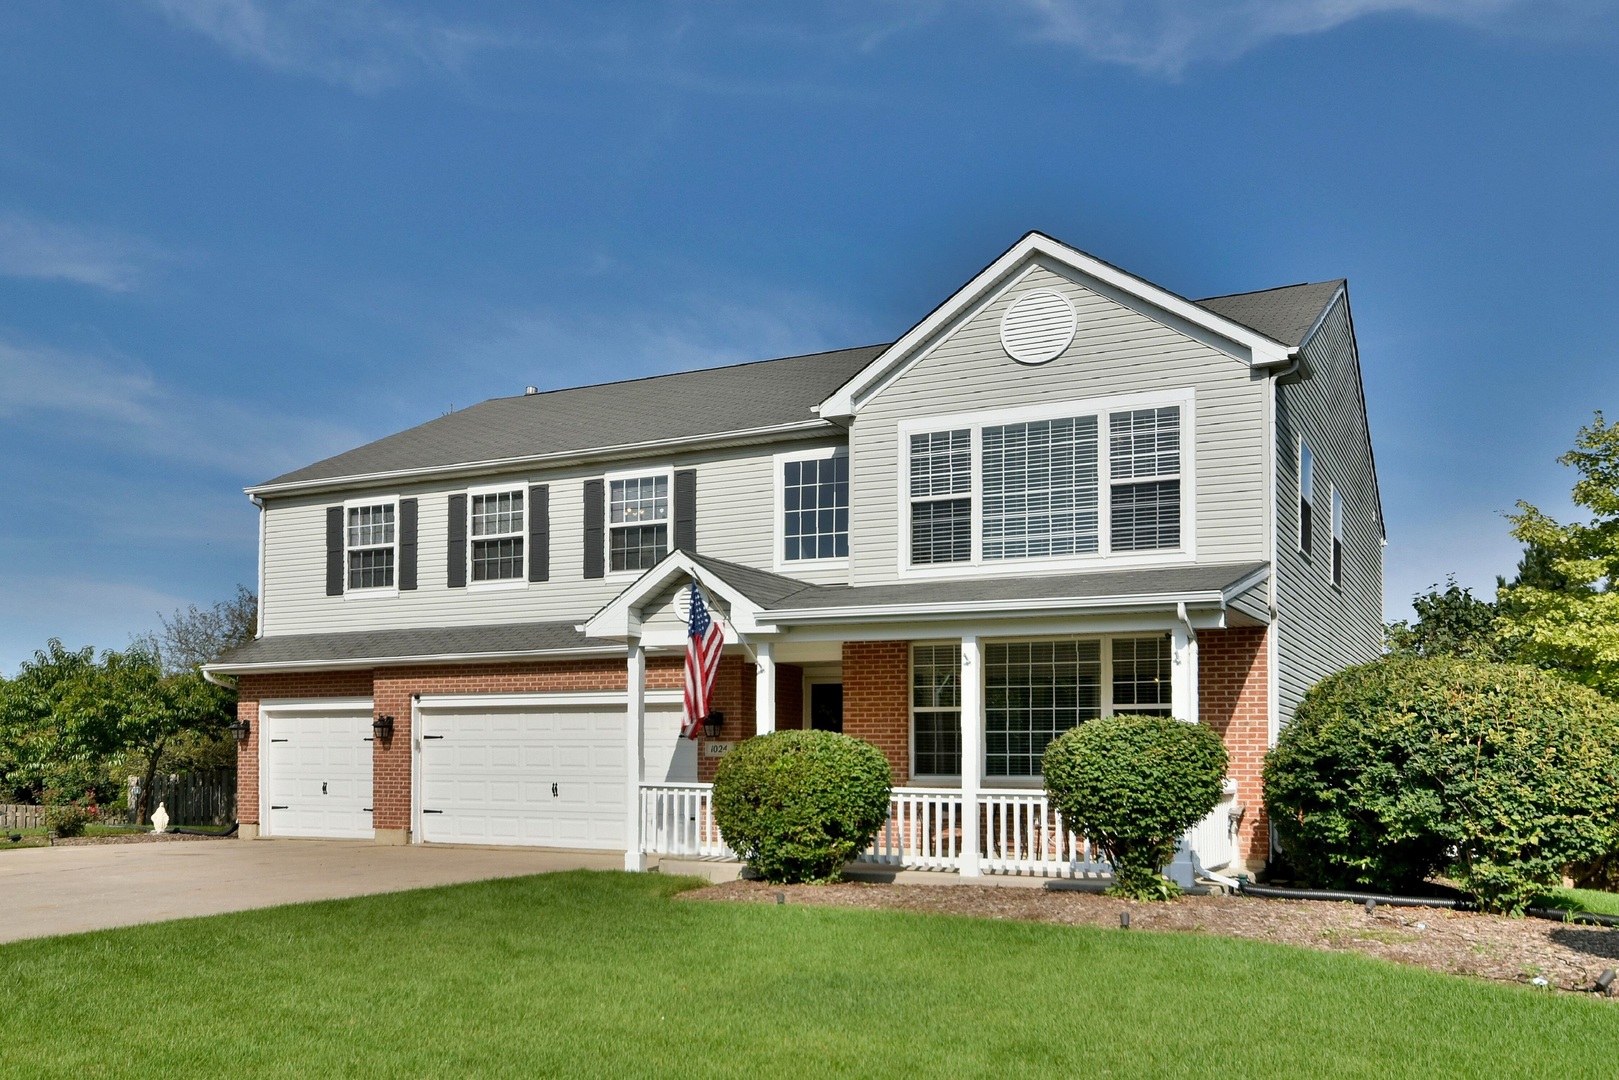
{"x":583,"y":418}
{"x":515,"y":640}
{"x":1285,"y":314}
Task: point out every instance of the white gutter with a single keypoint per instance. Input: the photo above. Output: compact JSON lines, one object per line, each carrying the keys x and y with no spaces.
{"x":1025,"y":606}
{"x":217,"y":680}
{"x":798,"y":428}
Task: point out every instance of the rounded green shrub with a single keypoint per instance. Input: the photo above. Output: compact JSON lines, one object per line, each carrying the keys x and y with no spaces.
{"x":1401,"y":769}
{"x":69,"y":819}
{"x":1133,"y":785}
{"x":797,"y":805}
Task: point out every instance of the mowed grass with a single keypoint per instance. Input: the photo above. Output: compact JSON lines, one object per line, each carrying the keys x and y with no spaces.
{"x":1602,"y":903}
{"x":598,"y":974}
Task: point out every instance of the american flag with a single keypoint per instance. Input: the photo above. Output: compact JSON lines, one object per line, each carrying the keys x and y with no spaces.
{"x":704,"y":640}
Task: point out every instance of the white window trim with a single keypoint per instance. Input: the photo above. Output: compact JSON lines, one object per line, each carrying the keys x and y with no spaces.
{"x":1301,"y":498}
{"x":350,"y":593}
{"x":975,"y":422}
{"x":666,"y":471}
{"x":504,"y":584}
{"x":987,"y":781}
{"x":779,"y":463}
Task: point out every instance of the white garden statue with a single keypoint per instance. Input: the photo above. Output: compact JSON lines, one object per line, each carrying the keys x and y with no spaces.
{"x":160,"y":819}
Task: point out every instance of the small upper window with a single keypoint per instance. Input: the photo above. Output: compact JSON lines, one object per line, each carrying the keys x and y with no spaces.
{"x":815,"y":505}
{"x":1306,"y":495}
{"x":371,"y":546}
{"x":1144,"y":451}
{"x":1141,"y":675}
{"x":638,"y":522}
{"x":941,"y":497}
{"x":1337,"y":537}
{"x":497,"y":536}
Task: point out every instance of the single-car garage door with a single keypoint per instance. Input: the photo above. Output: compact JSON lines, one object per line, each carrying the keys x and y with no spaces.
{"x":536,"y":773}
{"x":315,"y":768}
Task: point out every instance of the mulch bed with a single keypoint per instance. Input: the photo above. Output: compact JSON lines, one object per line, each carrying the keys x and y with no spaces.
{"x":132,"y":838}
{"x":1569,"y":957}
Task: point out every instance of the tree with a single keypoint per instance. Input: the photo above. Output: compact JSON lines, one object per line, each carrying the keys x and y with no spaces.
{"x":1449,"y":623}
{"x":1563,"y":612}
{"x":42,"y":749}
{"x":185,"y":641}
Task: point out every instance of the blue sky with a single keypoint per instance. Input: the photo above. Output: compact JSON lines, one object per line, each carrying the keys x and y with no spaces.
{"x":239,"y":235}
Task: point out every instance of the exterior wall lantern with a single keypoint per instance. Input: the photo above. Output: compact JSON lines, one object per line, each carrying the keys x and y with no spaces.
{"x":712,"y":723}
{"x":240,"y":729}
{"x":383,"y":727}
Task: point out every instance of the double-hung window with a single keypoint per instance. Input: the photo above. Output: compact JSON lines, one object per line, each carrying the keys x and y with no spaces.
{"x":1141,"y":675}
{"x":370,"y":544}
{"x":497,"y":536}
{"x":638,"y":521}
{"x":941,"y":497}
{"x":1337,"y":537}
{"x":1145,"y":463}
{"x":1039,"y":488}
{"x":936,"y":710}
{"x":815,"y":506}
{"x":1306,"y":495}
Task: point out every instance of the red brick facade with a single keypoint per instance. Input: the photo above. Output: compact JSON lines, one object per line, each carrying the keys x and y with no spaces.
{"x":1234,"y":699}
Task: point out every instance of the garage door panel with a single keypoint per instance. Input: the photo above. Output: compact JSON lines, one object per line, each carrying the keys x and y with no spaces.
{"x":492,"y":776}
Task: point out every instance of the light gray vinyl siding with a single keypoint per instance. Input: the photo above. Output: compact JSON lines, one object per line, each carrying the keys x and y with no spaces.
{"x":736,"y":521}
{"x":1254,"y":603}
{"x":1321,"y":628}
{"x":1116,"y":350}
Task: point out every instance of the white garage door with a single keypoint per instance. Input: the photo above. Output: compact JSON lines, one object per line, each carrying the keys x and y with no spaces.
{"x":316,"y":771}
{"x":540,"y":775}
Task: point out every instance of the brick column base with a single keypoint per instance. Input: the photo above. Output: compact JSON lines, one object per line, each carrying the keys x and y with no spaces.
{"x":1234,"y":700}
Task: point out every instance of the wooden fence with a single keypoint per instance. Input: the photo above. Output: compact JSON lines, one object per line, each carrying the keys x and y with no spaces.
{"x":17,"y":816}
{"x":206,"y":797}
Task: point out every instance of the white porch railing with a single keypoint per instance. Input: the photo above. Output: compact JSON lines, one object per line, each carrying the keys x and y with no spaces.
{"x":1019,"y":832}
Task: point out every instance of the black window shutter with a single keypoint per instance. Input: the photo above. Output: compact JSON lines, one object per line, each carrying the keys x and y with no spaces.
{"x":407,"y":544}
{"x":334,"y":551}
{"x":686,"y":509}
{"x":539,"y":533}
{"x":458,"y":542}
{"x":595,"y":540}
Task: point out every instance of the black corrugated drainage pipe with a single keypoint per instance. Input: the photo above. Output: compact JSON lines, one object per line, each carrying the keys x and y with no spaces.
{"x":204,"y":832}
{"x":1270,"y":892}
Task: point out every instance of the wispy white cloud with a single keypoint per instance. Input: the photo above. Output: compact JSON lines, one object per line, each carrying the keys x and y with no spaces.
{"x":1165,"y":36}
{"x":31,"y":247}
{"x":113,"y":401}
{"x":362,"y":44}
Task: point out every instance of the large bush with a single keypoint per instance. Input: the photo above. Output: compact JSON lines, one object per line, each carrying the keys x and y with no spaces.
{"x":1397,"y":770}
{"x":1133,"y":785}
{"x":797,"y":805}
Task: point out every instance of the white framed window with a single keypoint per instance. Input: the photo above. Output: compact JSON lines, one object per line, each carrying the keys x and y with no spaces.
{"x":1306,"y":496}
{"x":496,"y":535}
{"x":638,"y":519}
{"x":812,"y":506}
{"x":371,"y":546}
{"x":1033,"y":692}
{"x":1337,"y":537}
{"x":1051,"y":485}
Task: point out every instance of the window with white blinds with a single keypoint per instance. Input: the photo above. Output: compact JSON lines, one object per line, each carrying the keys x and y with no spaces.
{"x":941,"y":497}
{"x":1144,"y":462}
{"x":1040,"y":488}
{"x":936,"y":710}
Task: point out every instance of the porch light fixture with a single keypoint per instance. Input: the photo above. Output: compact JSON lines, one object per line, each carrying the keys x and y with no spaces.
{"x":383,"y":727}
{"x":712,"y":724}
{"x":239,"y":729}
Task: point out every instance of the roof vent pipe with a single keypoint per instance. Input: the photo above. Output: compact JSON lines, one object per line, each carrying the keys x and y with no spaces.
{"x":530,"y":391}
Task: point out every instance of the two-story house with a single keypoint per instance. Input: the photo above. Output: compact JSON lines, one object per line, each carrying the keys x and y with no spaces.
{"x":1066,"y":492}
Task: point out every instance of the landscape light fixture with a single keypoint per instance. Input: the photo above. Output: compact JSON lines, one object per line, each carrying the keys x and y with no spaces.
{"x":1605,"y":982}
{"x":240,"y":729}
{"x":383,"y":727}
{"x":712,"y":723}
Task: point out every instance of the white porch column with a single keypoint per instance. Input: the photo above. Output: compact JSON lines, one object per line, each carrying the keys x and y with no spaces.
{"x":1183,"y":673}
{"x":764,"y":705}
{"x":972,"y":750}
{"x":634,"y":735}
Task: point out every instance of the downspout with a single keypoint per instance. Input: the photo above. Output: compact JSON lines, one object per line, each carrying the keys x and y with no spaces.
{"x":220,"y":680}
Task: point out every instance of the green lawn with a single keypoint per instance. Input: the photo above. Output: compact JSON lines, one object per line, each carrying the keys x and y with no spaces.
{"x":604,"y":975}
{"x":1603,"y":903}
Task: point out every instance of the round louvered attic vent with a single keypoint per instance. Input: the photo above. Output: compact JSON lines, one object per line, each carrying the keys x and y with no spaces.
{"x":1037,"y":327}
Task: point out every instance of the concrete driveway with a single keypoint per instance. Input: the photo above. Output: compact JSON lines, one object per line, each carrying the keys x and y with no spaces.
{"x":65,"y":890}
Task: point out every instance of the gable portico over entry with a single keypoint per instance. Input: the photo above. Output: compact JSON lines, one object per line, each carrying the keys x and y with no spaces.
{"x":961,"y":685}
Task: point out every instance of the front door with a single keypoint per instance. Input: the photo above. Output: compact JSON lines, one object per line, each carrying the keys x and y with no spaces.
{"x":826,"y":707}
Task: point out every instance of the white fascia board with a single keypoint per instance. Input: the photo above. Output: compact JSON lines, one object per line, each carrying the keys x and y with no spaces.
{"x":1010,"y":608}
{"x":743,"y":437}
{"x":1264,"y":351}
{"x":1244,"y":583}
{"x":402,"y":661}
{"x":620,"y":618}
{"x":543,"y":699}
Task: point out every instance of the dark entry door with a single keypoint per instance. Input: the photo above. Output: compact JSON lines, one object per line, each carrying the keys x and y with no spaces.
{"x":826,"y":707}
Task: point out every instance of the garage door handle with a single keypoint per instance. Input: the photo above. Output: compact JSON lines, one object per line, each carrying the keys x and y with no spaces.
{"x":553,"y":791}
{"x":432,"y":811}
{"x":432,"y":736}
{"x":278,"y":808}
{"x":278,"y":740}
{"x":365,"y":809}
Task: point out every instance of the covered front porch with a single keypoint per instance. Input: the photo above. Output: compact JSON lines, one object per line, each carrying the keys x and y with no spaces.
{"x":962,"y":704}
